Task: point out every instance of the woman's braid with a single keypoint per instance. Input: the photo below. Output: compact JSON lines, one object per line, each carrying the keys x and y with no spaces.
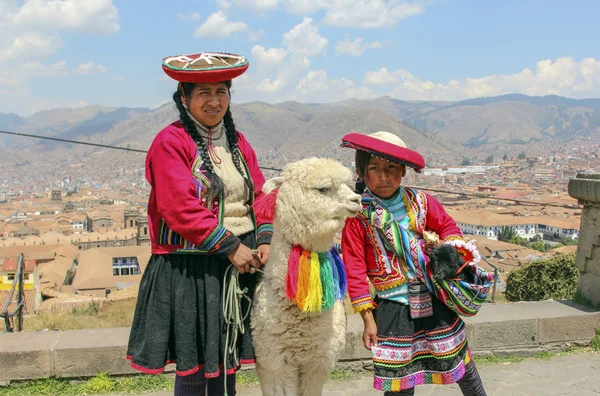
{"x":232,"y":139}
{"x":190,"y":127}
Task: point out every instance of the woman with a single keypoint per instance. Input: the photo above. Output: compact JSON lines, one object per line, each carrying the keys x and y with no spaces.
{"x":415,"y":339}
{"x":204,"y":177}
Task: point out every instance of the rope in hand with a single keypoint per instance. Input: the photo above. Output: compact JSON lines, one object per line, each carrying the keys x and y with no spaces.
{"x":233,"y":315}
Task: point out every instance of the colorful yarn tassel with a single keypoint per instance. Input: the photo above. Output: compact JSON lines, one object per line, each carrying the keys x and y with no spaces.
{"x":291,"y":281}
{"x":337,"y":294}
{"x":315,"y":289}
{"x":303,"y":279}
{"x":314,"y":281}
{"x":327,"y":281}
{"x":343,"y":282}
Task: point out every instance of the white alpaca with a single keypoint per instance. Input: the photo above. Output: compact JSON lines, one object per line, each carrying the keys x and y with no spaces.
{"x":296,"y":350}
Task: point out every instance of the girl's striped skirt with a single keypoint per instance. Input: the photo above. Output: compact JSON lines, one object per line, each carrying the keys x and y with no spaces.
{"x":430,"y":350}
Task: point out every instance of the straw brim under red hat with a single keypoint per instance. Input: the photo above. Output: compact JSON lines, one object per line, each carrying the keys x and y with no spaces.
{"x":380,"y":148}
{"x":206,"y":67}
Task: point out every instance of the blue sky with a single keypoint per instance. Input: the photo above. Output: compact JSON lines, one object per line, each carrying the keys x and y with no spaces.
{"x":70,"y":53}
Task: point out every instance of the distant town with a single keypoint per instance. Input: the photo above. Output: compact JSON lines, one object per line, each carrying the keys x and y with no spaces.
{"x":82,"y":223}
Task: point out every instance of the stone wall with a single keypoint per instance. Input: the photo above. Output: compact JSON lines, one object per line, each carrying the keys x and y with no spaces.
{"x":586,"y":188}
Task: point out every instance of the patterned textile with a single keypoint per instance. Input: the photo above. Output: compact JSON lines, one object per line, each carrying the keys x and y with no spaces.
{"x":462,"y":297}
{"x":410,"y":352}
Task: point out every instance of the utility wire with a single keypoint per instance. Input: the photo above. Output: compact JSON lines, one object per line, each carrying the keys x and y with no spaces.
{"x":520,"y":201}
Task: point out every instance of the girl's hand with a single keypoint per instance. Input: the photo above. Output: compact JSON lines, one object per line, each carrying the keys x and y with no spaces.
{"x":263,"y":253}
{"x":370,"y":331}
{"x":244,"y":259}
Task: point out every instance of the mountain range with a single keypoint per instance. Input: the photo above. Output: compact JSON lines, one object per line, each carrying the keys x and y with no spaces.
{"x":441,"y":130}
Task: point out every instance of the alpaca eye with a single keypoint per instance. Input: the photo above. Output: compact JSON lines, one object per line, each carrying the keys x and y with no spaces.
{"x":324,"y":190}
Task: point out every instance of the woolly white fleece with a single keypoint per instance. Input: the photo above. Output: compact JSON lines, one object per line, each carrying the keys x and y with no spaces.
{"x":296,"y":351}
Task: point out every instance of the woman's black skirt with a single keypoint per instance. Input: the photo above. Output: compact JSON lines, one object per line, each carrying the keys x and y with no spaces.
{"x":430,"y":350}
{"x":179,"y":318}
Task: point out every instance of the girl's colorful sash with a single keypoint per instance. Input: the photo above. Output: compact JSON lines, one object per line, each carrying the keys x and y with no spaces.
{"x":462,"y":297}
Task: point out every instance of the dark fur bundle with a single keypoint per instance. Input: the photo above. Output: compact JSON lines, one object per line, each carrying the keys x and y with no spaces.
{"x":445,"y":261}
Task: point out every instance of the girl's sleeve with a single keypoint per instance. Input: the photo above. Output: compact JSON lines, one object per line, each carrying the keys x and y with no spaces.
{"x":264,"y":226}
{"x":439,"y":221}
{"x":177,"y":201}
{"x":354,"y":257}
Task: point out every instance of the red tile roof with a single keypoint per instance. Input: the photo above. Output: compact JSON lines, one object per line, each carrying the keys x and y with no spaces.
{"x":29,"y":296}
{"x":10,"y":264}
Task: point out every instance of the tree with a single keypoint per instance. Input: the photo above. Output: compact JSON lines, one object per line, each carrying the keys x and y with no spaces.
{"x":522,"y":155}
{"x":539,"y":246}
{"x":505,"y":157}
{"x":465,"y":162}
{"x":506,"y":234}
{"x":568,"y":241}
{"x":489,"y":159}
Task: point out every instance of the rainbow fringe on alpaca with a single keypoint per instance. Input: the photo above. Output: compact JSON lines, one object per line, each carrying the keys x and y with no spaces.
{"x":315,"y":281}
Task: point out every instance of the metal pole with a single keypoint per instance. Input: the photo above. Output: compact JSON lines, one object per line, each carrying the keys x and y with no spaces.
{"x":21,"y":271}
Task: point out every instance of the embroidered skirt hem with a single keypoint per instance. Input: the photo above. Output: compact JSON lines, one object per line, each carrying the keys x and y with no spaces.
{"x":410,"y":352}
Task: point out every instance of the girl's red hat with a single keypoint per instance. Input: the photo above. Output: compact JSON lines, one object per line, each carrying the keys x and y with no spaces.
{"x":385,"y":145}
{"x":206,"y":67}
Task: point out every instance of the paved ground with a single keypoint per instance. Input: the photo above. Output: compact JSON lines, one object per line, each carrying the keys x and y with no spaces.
{"x":573,"y":375}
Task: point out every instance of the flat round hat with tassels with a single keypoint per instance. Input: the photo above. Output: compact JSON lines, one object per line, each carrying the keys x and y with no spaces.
{"x":206,"y":67}
{"x":385,"y":145}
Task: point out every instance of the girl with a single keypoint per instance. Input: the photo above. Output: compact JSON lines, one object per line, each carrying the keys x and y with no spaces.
{"x":415,"y":339}
{"x":204,"y":177}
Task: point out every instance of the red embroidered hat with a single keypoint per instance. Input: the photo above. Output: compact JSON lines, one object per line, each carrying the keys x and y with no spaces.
{"x":206,"y":67}
{"x":385,"y":145}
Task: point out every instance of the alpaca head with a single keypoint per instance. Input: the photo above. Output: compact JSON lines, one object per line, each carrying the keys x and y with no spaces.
{"x":314,"y":199}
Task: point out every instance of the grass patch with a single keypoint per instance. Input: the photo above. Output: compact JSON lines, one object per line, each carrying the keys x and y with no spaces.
{"x":101,"y":384}
{"x":343,"y":375}
{"x":582,"y":300}
{"x":94,"y":316}
{"x":595,"y":344}
{"x":493,"y":359}
{"x":247,"y":378}
{"x":545,"y":355}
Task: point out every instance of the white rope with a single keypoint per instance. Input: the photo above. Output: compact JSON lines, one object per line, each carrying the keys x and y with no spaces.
{"x":233,"y":315}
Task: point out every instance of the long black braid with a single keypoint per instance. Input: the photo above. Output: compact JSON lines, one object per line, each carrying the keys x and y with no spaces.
{"x":190,"y":127}
{"x":232,"y":139}
{"x":231,"y":134}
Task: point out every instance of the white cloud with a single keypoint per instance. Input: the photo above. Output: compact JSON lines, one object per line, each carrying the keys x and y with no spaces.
{"x":316,"y":86}
{"x":307,"y":7}
{"x":355,"y":47}
{"x":267,"y":59}
{"x":217,"y":25}
{"x":31,"y":45}
{"x":370,"y":14}
{"x":340,"y":13}
{"x":89,"y":16}
{"x":258,"y":5}
{"x":565,"y":77}
{"x":305,"y":38}
{"x":38,"y":69}
{"x":89,"y":68}
{"x":194,"y":16}
{"x":31,"y":30}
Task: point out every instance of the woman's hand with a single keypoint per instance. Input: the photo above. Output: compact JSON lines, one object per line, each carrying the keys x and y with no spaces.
{"x":244,"y":259}
{"x":370,"y":331}
{"x":263,"y":253}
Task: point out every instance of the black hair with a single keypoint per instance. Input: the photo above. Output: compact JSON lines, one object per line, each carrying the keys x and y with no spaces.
{"x":230,"y":131}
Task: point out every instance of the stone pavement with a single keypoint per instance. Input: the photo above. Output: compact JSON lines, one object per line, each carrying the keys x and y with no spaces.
{"x":570,"y":375}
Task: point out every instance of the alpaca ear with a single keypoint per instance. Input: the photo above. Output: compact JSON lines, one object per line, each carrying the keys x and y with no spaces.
{"x":272,"y":184}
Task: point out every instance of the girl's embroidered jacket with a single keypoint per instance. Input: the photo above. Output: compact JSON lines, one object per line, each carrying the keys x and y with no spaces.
{"x":181,"y":214}
{"x":365,"y":256}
